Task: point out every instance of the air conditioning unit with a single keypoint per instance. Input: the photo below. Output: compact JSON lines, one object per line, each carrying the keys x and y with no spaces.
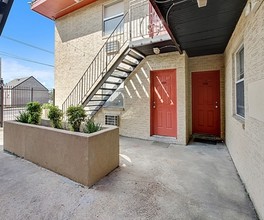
{"x":112,"y":47}
{"x":112,"y":120}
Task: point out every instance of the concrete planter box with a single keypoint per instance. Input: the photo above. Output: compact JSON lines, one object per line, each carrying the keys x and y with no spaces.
{"x":84,"y":158}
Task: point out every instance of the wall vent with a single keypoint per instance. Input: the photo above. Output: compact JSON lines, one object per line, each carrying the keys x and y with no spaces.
{"x":112,"y":47}
{"x":112,"y":120}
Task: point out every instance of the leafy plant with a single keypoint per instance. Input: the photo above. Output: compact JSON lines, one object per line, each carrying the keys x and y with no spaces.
{"x":34,"y":111}
{"x":76,"y":115}
{"x":23,"y":117}
{"x":55,"y":116}
{"x":90,"y":126}
{"x":31,"y":115}
{"x":47,"y":106}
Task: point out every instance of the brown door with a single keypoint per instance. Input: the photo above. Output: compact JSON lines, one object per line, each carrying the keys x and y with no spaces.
{"x":206,"y":102}
{"x":163,"y":103}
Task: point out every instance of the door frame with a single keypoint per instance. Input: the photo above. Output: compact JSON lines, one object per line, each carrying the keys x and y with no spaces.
{"x":220,"y":100}
{"x":151,"y":101}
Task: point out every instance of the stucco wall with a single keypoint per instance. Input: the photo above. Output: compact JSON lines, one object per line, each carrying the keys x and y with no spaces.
{"x":135,"y":117}
{"x":84,"y":158}
{"x":244,"y":138}
{"x":206,"y":63}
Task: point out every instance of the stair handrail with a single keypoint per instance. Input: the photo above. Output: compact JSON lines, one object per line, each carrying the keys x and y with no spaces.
{"x":86,"y":82}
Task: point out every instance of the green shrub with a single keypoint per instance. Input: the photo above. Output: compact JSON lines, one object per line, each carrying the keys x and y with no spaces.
{"x":23,"y":117}
{"x":34,"y":110}
{"x":31,"y":115}
{"x":47,"y":106}
{"x":91,"y":127}
{"x":55,"y":116}
{"x":76,"y":115}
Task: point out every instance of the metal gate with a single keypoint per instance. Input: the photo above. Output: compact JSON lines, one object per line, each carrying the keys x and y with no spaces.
{"x":13,"y":100}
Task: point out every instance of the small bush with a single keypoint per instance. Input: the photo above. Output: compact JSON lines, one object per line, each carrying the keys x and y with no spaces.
{"x":76,"y":115}
{"x":34,"y":111}
{"x":55,"y":116}
{"x":47,"y":106}
{"x":31,"y":115}
{"x":91,"y":127}
{"x":23,"y":117}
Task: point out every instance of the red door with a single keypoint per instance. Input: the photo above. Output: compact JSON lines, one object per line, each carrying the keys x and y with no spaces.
{"x":163,"y":103}
{"x":206,"y":102}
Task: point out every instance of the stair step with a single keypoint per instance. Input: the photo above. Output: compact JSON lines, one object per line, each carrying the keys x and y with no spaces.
{"x":119,"y":77}
{"x":135,"y":55}
{"x":98,"y":100}
{"x":105,"y":89}
{"x":113,"y":83}
{"x":93,"y":105}
{"x":103,"y":94}
{"x":130,"y":63}
{"x":122,"y":69}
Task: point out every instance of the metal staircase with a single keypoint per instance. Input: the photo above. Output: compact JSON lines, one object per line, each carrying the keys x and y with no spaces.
{"x":116,"y":60}
{"x":115,"y":76}
{"x":108,"y":70}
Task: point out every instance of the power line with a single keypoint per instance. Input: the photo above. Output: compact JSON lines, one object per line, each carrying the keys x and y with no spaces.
{"x":26,"y":44}
{"x":24,"y":59}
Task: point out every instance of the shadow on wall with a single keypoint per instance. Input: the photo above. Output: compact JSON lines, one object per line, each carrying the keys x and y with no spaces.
{"x":137,"y":93}
{"x":81,"y":23}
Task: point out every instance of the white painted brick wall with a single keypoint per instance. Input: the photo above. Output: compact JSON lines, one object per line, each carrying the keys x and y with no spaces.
{"x":78,"y":38}
{"x":135,"y":118}
{"x":245,"y":138}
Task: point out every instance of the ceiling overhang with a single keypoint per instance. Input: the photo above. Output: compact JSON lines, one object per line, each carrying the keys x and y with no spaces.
{"x":54,"y":9}
{"x":200,"y":31}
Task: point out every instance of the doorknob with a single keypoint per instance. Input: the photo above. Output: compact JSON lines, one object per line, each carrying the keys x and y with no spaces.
{"x":216,"y":104}
{"x":154,"y":105}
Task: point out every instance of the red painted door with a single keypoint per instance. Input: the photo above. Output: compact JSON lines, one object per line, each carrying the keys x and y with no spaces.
{"x":163,"y":103}
{"x":206,"y":102}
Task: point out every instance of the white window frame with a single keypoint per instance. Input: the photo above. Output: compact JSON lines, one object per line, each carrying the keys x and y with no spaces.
{"x":110,"y":18}
{"x":237,"y":79}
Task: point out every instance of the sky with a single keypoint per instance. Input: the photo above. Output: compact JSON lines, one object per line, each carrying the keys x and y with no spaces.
{"x":27,"y":26}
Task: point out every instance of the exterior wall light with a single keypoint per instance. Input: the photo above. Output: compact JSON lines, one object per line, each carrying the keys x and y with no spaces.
{"x":202,"y":3}
{"x":156,"y":50}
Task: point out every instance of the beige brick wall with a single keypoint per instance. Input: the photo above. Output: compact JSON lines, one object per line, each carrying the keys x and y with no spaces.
{"x":135,"y":118}
{"x":78,"y":38}
{"x":244,"y":138}
{"x":206,"y":63}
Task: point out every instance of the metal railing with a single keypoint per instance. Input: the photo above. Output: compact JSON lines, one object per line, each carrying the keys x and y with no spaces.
{"x":140,"y":22}
{"x":144,"y":22}
{"x":13,"y":100}
{"x":100,"y":64}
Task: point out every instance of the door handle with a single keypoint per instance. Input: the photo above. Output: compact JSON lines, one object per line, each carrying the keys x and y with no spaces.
{"x":154,"y":105}
{"x":216,"y":106}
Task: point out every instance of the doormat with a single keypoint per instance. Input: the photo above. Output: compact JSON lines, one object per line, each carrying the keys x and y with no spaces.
{"x":205,"y":141}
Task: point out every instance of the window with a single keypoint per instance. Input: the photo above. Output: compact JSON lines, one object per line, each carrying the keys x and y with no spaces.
{"x":113,"y":15}
{"x":240,"y":100}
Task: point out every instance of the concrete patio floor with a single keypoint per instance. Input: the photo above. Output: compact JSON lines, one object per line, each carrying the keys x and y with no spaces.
{"x":154,"y":181}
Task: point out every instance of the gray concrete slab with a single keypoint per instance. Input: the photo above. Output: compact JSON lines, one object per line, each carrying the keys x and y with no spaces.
{"x":154,"y":181}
